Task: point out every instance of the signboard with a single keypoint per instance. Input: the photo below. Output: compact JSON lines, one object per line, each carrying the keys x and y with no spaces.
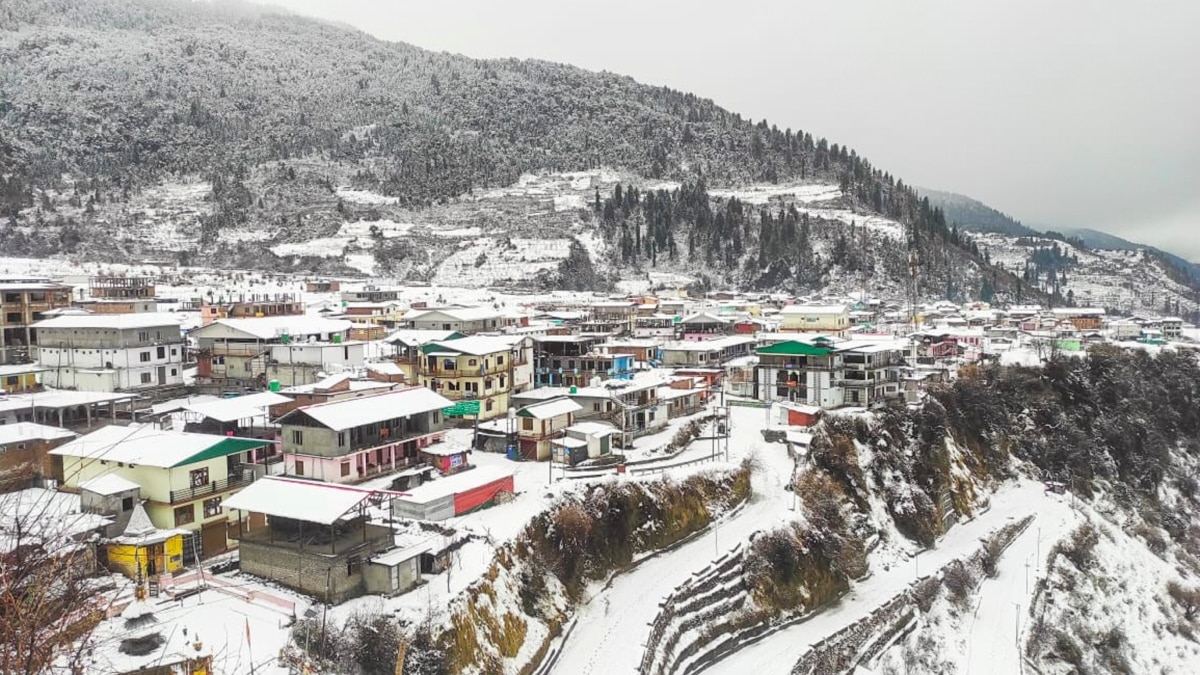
{"x":461,"y":409}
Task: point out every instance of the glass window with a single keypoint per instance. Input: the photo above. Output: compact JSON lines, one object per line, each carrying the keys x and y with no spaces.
{"x":212,"y":507}
{"x":184,"y":515}
{"x":198,"y":477}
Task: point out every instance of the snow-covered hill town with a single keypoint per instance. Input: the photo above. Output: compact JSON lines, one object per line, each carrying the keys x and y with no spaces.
{"x":254,"y":472}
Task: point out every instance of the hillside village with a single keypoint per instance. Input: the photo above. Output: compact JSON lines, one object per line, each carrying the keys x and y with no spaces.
{"x":280,"y":445}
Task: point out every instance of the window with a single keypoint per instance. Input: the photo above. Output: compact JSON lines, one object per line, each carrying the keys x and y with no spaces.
{"x":299,"y":468}
{"x":490,"y":404}
{"x":13,"y":317}
{"x":595,"y":407}
{"x":345,"y":469}
{"x":144,"y":357}
{"x":143,"y":336}
{"x":212,"y":507}
{"x":174,"y":352}
{"x":174,"y":371}
{"x":162,"y":352}
{"x":500,"y":360}
{"x":472,"y":362}
{"x":297,"y":437}
{"x":185,"y":515}
{"x":527,"y":424}
{"x":11,"y":380}
{"x":353,"y":565}
{"x":146,"y":378}
{"x":198,"y":477}
{"x":127,"y":504}
{"x":341,"y":438}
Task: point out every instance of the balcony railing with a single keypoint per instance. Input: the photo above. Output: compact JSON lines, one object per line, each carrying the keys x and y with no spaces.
{"x":212,"y":488}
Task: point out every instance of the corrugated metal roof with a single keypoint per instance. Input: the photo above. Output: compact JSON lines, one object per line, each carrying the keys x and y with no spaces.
{"x":111,"y":321}
{"x":239,"y":408}
{"x":355,"y":412}
{"x":310,"y":501}
{"x":551,"y":408}
{"x":150,"y":446}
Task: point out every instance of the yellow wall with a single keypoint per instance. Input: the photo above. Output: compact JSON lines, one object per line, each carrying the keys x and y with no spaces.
{"x":816,"y":323}
{"x":24,"y":382}
{"x":156,"y":484}
{"x":127,"y":558}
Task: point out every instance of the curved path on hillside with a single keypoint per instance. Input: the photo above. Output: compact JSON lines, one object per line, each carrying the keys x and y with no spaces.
{"x":612,"y":627}
{"x":777,"y":654}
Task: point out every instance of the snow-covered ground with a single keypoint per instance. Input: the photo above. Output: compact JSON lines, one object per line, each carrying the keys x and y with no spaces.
{"x":778,"y":653}
{"x":614,"y":622}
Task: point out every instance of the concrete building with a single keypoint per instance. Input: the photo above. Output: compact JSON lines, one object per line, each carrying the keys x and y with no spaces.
{"x":22,"y":304}
{"x":706,"y":353}
{"x":238,"y":354}
{"x":827,"y":374}
{"x":465,"y":320}
{"x":316,"y":538}
{"x":539,"y":424}
{"x":111,"y":352}
{"x":351,"y":440}
{"x":476,"y":368}
{"x":824,"y":319}
{"x":183,"y":477}
{"x":24,"y":449}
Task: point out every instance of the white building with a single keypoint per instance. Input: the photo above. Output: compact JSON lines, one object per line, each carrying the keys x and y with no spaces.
{"x":110,"y":352}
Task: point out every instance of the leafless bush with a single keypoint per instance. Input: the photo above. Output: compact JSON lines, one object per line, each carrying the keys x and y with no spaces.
{"x":1188,"y":599}
{"x":48,"y":596}
{"x":960,"y":581}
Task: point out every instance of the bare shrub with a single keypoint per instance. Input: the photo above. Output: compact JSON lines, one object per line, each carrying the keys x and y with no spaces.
{"x":1188,"y":599}
{"x":960,"y":581}
{"x":1080,"y":549}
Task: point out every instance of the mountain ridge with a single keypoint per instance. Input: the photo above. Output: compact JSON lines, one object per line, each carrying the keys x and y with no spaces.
{"x":260,"y":117}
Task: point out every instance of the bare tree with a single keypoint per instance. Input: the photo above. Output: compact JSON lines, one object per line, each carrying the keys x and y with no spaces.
{"x":49,"y":595}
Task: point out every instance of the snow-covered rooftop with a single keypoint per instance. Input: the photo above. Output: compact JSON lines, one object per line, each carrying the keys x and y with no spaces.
{"x":238,"y":408}
{"x":342,"y":415}
{"x":111,"y":321}
{"x":145,"y":444}
{"x":307,"y":500}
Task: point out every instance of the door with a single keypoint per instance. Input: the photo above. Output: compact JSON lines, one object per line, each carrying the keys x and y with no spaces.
{"x":212,"y":539}
{"x":162,"y":374}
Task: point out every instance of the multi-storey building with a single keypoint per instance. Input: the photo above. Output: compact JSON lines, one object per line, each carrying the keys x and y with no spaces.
{"x":825,"y":319}
{"x":351,"y":440}
{"x":476,"y":368}
{"x":22,"y":304}
{"x":235,"y":354}
{"x":706,"y":353}
{"x":111,"y":352}
{"x":119,"y":295}
{"x":252,"y":306}
{"x":465,"y":320}
{"x":183,"y":477}
{"x":567,"y":360}
{"x":828,"y":375}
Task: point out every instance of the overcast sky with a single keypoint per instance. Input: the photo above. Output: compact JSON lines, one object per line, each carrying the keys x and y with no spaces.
{"x":1063,"y":113}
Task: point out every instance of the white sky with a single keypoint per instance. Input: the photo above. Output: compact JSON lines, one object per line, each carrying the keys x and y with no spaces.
{"x":1064,"y":113}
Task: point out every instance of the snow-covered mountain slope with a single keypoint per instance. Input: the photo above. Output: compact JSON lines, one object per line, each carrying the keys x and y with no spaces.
{"x":1130,"y":281}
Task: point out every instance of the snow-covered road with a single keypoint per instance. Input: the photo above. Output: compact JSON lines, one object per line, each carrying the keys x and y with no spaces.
{"x":612,"y":627}
{"x":779,"y":652}
{"x":993,"y":648}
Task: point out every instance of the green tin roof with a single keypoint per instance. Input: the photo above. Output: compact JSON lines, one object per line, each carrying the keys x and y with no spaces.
{"x":794,"y":348}
{"x":225,"y":447}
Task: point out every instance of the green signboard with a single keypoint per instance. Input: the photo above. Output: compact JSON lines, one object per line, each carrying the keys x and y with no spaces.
{"x":461,"y":409}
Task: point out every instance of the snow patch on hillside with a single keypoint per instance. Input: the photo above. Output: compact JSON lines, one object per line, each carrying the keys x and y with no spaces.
{"x":762,"y":194}
{"x":365,"y":197}
{"x":491,"y":260}
{"x":322,"y":247}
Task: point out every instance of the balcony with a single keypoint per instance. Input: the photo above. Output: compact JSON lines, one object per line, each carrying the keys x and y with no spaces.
{"x":213,"y":488}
